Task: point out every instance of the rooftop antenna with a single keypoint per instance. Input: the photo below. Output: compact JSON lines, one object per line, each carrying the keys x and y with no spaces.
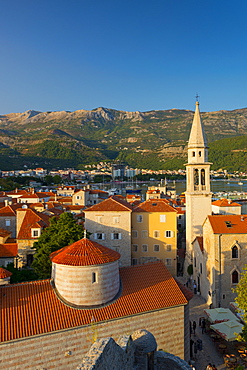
{"x":197,"y":97}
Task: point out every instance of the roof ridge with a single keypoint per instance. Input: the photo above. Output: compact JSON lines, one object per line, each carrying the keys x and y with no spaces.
{"x":120,"y":201}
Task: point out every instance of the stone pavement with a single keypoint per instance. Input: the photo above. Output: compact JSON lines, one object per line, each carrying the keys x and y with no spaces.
{"x":209,"y":353}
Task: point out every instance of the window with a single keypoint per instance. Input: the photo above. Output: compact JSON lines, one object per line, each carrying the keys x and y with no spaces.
{"x":179,"y":217}
{"x":168,"y":247}
{"x":200,"y":153}
{"x":29,"y":259}
{"x":193,"y":154}
{"x":156,"y":234}
{"x":144,"y":247}
{"x":94,"y":277}
{"x":134,"y":261}
{"x":116,"y":219}
{"x":78,"y":197}
{"x":235,"y":277}
{"x":144,"y":234}
{"x":168,"y":262}
{"x":201,"y":268}
{"x":99,"y":236}
{"x":134,"y":234}
{"x":196,"y":177}
{"x":156,"y":248}
{"x":35,"y":233}
{"x":7,"y":222}
{"x":134,"y":247}
{"x":162,"y":218}
{"x":195,"y":261}
{"x":168,"y":234}
{"x":203,"y":177}
{"x":235,"y":252}
{"x":99,"y":219}
{"x":139,"y":218}
{"x":116,"y":236}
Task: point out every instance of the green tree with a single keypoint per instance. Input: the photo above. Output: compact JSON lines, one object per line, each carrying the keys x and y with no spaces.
{"x":20,"y":275}
{"x":241,"y":301}
{"x":60,"y":233}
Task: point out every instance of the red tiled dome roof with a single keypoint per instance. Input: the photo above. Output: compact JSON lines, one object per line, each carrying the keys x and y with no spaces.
{"x":84,"y":252}
{"x":4,"y":273}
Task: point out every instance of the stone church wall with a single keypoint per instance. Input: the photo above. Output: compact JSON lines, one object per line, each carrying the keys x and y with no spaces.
{"x":65,"y":349}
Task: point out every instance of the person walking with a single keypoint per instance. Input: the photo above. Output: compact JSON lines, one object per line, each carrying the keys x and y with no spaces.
{"x":195,"y":287}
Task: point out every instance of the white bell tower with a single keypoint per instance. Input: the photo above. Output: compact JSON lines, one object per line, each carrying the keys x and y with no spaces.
{"x":198,"y":195}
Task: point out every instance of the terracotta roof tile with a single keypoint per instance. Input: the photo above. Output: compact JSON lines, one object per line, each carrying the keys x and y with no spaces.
{"x":113,"y":203}
{"x":153,"y":191}
{"x":4,"y":232}
{"x":4,"y":273}
{"x":228,"y":224}
{"x":32,"y":219}
{"x":8,"y":211}
{"x":29,"y":195}
{"x":98,"y":191}
{"x":225,"y":203}
{"x":8,"y":250}
{"x":154,"y":205}
{"x":84,"y":252}
{"x":145,"y":288}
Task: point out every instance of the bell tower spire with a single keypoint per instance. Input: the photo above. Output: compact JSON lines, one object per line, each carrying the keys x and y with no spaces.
{"x":198,"y":194}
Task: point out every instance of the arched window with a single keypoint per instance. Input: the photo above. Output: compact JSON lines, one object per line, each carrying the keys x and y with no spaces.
{"x":200,"y":154}
{"x":193,"y":154}
{"x":235,"y":252}
{"x":203,"y":177}
{"x":196,"y":177}
{"x":235,"y":277}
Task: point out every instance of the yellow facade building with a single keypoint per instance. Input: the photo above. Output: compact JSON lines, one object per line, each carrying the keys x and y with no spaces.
{"x":154,"y":233}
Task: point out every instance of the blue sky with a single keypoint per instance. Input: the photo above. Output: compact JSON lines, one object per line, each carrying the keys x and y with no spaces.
{"x":126,"y":55}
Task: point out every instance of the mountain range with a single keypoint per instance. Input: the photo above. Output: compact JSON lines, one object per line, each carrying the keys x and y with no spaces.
{"x":155,"y":139}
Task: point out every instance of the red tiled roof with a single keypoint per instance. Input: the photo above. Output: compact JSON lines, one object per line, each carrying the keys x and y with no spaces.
{"x":84,"y":252}
{"x":225,"y":203}
{"x":8,"y":210}
{"x":4,"y":232}
{"x":180,"y":210}
{"x":29,"y":195}
{"x":228,"y":224}
{"x":153,"y":191}
{"x":98,"y":191}
{"x":113,"y":203}
{"x":146,"y":288}
{"x":32,"y":219}
{"x":17,"y":191}
{"x":8,"y":250}
{"x":154,"y":205}
{"x":76,"y":207}
{"x":4,"y":273}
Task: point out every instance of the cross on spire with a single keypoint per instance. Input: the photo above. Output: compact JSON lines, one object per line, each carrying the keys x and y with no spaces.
{"x":197,"y":96}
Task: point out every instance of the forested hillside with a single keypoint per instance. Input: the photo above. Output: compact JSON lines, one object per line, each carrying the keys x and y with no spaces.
{"x":154,"y":139}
